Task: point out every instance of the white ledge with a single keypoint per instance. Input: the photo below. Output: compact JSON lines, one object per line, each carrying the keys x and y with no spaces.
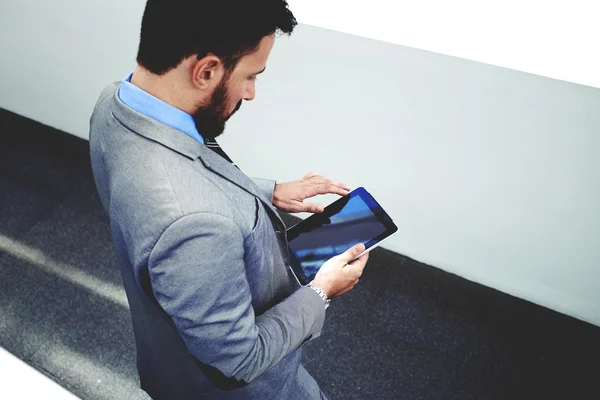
{"x":552,"y":39}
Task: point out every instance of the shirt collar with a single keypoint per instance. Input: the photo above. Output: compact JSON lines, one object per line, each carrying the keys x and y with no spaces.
{"x":144,"y":103}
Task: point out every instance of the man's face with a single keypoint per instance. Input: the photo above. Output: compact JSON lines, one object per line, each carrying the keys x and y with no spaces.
{"x":234,"y":87}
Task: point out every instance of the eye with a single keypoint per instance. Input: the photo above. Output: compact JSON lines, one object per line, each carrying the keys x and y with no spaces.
{"x":252,"y":78}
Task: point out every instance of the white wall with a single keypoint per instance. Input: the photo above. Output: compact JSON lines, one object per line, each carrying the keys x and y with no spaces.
{"x":490,"y":173}
{"x":58,"y":55}
{"x":556,"y":39}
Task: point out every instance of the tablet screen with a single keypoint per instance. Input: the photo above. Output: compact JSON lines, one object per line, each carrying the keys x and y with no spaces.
{"x":352,"y":219}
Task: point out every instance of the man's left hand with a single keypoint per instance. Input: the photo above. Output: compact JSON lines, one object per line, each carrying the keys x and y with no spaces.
{"x":289,"y":197}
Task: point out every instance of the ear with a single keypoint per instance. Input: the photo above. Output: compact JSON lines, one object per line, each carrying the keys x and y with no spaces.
{"x":207,"y":71}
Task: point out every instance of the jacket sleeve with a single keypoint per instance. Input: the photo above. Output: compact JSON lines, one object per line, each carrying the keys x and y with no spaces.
{"x":267,"y":186}
{"x":198,"y":276}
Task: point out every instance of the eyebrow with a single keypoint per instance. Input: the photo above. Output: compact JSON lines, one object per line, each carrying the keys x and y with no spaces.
{"x":260,"y":72}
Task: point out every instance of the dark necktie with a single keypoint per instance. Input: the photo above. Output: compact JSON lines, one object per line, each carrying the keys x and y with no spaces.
{"x":214,"y":146}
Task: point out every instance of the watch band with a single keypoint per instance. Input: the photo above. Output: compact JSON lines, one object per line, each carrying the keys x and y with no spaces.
{"x":322,"y":294}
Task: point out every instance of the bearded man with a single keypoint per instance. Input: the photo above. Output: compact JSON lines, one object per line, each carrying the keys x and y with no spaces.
{"x":202,"y":249}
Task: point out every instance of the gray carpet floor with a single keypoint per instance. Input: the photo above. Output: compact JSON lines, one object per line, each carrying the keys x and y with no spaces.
{"x":407,"y":331}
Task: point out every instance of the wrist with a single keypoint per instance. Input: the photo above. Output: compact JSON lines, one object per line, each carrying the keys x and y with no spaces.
{"x":321,"y":293}
{"x":321,"y":284}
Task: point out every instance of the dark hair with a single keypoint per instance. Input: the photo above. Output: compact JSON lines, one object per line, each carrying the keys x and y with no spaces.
{"x":173,"y":30}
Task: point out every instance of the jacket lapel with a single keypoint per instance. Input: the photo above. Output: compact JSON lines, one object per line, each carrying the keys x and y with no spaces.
{"x":190,"y":148}
{"x":226,"y":170}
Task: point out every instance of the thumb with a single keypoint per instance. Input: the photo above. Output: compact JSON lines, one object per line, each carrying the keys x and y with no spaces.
{"x":352,"y":252}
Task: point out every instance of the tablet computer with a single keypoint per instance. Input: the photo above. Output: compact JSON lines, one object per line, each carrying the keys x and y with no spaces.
{"x":353,"y":219}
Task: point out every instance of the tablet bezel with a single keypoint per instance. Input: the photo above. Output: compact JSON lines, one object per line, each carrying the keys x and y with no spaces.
{"x":333,"y":209}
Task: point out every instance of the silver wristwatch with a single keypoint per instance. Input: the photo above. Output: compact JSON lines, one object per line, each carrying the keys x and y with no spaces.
{"x":322,"y":294}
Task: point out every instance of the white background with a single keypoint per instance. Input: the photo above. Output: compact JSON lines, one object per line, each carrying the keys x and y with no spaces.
{"x":552,"y":38}
{"x":22,"y":382}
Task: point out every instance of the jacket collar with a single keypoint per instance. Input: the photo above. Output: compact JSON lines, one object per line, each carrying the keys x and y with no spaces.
{"x":153,"y":129}
{"x":186,"y":146}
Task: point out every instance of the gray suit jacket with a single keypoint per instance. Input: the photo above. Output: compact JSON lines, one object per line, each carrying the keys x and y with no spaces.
{"x":204,"y":258}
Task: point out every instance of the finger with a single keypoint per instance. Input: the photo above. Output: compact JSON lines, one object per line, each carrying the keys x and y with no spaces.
{"x":339,"y":184}
{"x":338,"y":188}
{"x":361,"y":260}
{"x":312,"y":208}
{"x":358,"y":265}
{"x":319,"y":179}
{"x":346,"y":289}
{"x":349,"y":285}
{"x":328,"y":188}
{"x":352,"y":252}
{"x":355,"y":270}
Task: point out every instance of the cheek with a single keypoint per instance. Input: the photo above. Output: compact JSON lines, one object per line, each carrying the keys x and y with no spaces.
{"x":236,"y":94}
{"x":243,"y":89}
{"x":234,"y":90}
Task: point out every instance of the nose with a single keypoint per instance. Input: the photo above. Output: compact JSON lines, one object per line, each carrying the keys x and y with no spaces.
{"x":250,"y":91}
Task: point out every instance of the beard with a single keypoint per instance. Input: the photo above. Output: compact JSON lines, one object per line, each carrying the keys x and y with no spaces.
{"x":211,"y":119}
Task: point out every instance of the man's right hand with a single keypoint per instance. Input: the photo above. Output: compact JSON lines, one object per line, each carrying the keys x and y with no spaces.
{"x":339,"y":275}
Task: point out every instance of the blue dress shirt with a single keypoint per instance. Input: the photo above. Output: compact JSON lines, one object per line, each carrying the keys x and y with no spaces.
{"x":150,"y":106}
